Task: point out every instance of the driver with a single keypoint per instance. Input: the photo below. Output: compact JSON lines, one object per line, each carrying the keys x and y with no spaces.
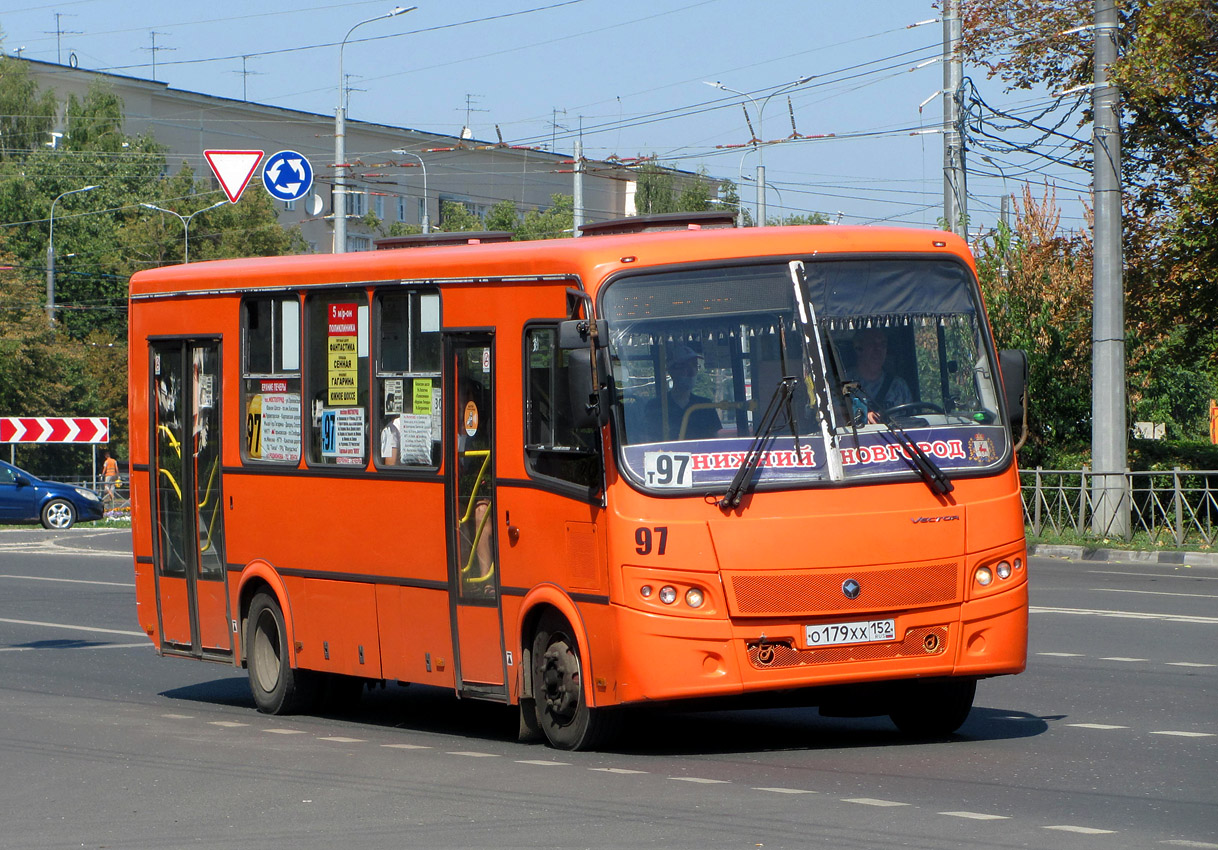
{"x":881,"y":389}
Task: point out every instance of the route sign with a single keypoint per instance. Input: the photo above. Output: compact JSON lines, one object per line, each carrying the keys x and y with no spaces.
{"x":233,"y":169}
{"x":54,"y":429}
{"x":287,"y":176}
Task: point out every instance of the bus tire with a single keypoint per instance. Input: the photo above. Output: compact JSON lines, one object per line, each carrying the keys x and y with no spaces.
{"x":562,"y":709}
{"x":276,"y":686}
{"x":933,"y":709}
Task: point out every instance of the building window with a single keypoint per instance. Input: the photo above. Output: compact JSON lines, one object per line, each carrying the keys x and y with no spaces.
{"x":357,"y":203}
{"x":408,"y":387}
{"x":270,"y":379}
{"x":359,"y":243}
{"x":337,"y":386}
{"x":378,"y":206}
{"x":401,"y":207}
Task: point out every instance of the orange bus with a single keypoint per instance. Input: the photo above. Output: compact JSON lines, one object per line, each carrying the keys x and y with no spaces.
{"x":577,"y":475}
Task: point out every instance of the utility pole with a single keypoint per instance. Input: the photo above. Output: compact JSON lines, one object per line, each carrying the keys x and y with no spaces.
{"x":1109,"y":440}
{"x":955,"y":203}
{"x":577,"y":198}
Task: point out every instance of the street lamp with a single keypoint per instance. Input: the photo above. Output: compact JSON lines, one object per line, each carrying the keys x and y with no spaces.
{"x":51,"y":252}
{"x":760,"y":140}
{"x":185,"y":219}
{"x":340,"y":152}
{"x":426,"y":222}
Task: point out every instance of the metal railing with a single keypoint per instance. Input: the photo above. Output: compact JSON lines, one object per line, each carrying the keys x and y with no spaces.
{"x":1177,"y":507}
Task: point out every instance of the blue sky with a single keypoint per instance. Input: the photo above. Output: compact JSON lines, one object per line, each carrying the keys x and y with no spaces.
{"x":630,"y":73}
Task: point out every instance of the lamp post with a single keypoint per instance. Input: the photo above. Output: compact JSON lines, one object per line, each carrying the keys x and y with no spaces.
{"x":340,"y":152}
{"x":51,"y":252}
{"x":426,"y":222}
{"x":185,"y":219}
{"x":760,"y":140}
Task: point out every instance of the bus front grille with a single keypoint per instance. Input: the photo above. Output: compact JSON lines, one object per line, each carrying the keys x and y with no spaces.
{"x":815,"y":593}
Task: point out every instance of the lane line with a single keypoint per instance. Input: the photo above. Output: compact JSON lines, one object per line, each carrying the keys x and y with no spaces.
{"x":227,"y":724}
{"x":544,"y":763}
{"x":1119,"y":658}
{"x":1063,"y":654}
{"x":1184,"y":734}
{"x":73,"y":628}
{"x":475,"y":755}
{"x":1127,"y":615}
{"x":620,"y":770}
{"x":72,"y":580}
{"x":1203,"y":845}
{"x":339,"y":739}
{"x":871,"y":801}
{"x":787,"y":790}
{"x":975,"y":816}
{"x":1154,"y":575}
{"x":1081,"y":830}
{"x":1101,"y":726}
{"x":700,"y":780}
{"x":1157,"y":593}
{"x":406,"y":746}
{"x":1189,"y":664}
{"x":285,"y":731}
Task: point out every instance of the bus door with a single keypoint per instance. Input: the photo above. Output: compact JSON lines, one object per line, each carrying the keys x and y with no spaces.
{"x":188,"y":544}
{"x":474,"y":578}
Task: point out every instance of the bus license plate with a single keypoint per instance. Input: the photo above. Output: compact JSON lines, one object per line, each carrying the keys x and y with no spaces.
{"x":834,"y":634}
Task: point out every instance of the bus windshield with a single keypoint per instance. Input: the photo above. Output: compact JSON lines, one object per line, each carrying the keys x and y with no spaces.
{"x":895,"y":349}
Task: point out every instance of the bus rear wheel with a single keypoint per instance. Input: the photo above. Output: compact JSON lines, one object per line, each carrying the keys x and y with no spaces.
{"x":933,"y":709}
{"x":563,"y":713}
{"x":276,"y":686}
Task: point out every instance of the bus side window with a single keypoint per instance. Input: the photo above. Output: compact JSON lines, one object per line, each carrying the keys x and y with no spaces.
{"x":554,"y":447}
{"x":336,"y":382}
{"x":270,"y":379}
{"x":408,"y":405}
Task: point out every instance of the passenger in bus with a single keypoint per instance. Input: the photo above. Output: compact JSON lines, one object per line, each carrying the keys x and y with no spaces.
{"x":391,"y":434}
{"x":881,"y":388}
{"x":703,"y":422}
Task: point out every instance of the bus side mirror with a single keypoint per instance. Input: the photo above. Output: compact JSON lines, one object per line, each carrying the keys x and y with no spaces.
{"x":589,"y":404}
{"x":1013,"y":363}
{"x":574,"y":333}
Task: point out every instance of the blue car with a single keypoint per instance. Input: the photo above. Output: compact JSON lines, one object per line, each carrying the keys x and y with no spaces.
{"x":26,"y":498}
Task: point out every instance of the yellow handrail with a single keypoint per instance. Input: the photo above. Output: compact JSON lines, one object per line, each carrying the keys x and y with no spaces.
{"x":485,"y":454}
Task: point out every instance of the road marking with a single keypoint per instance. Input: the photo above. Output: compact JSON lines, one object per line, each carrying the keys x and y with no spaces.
{"x":1185,"y":734}
{"x":227,"y":724}
{"x":339,"y":739}
{"x":700,"y":780}
{"x":1118,"y":658}
{"x":870,"y":801}
{"x":974,"y":816}
{"x":1205,"y":845}
{"x":1189,"y":664}
{"x":1154,"y":575}
{"x":786,"y":790}
{"x":1103,"y":726}
{"x":1082,"y":830}
{"x":143,"y":645}
{"x":475,"y":755}
{"x":1157,"y":593}
{"x":179,"y":716}
{"x":406,"y":746}
{"x":1062,"y":654}
{"x":73,"y":628}
{"x":621,"y":770}
{"x":1127,"y":615}
{"x":73,"y":580}
{"x":544,"y":763}
{"x":285,"y":731}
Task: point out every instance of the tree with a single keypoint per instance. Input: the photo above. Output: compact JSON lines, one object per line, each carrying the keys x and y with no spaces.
{"x":456,"y":217}
{"x":556,"y":221}
{"x":1167,"y":75}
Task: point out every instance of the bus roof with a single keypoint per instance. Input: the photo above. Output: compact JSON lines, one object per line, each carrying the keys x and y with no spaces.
{"x":591,"y":258}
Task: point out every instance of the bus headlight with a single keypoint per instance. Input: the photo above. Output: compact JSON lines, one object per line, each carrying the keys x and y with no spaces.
{"x":984,"y":576}
{"x":1004,"y":569}
{"x":668,"y":594}
{"x":645,"y":591}
{"x":694,"y":598}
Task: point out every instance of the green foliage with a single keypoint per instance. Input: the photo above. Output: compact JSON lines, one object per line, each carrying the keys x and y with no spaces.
{"x":791,"y":220}
{"x":503,"y":217}
{"x":455,"y":217}
{"x":551,"y":223}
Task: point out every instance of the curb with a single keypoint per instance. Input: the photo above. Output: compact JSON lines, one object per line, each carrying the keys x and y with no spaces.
{"x":1138,"y":556}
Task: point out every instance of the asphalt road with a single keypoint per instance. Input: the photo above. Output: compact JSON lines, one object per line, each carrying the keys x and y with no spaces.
{"x":1110,"y":740}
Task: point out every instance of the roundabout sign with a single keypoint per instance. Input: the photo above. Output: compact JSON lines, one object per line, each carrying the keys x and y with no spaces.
{"x":287,"y":176}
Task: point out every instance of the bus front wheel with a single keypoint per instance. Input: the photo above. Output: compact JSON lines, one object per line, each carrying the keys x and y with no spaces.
{"x":933,"y":709}
{"x":277,"y":688}
{"x":563,"y":713}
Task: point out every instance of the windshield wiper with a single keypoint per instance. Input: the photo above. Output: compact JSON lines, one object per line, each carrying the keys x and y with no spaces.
{"x":934,"y":477}
{"x":779,"y":401}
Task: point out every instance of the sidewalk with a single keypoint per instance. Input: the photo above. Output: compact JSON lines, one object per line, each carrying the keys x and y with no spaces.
{"x":1139,"y":556}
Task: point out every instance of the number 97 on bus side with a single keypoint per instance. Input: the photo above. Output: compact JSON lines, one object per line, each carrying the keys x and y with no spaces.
{"x":668,"y":469}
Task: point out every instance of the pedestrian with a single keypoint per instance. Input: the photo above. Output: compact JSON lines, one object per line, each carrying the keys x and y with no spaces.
{"x":109,"y":475}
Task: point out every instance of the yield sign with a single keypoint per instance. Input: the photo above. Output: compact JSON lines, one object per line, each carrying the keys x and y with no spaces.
{"x":233,"y":169}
